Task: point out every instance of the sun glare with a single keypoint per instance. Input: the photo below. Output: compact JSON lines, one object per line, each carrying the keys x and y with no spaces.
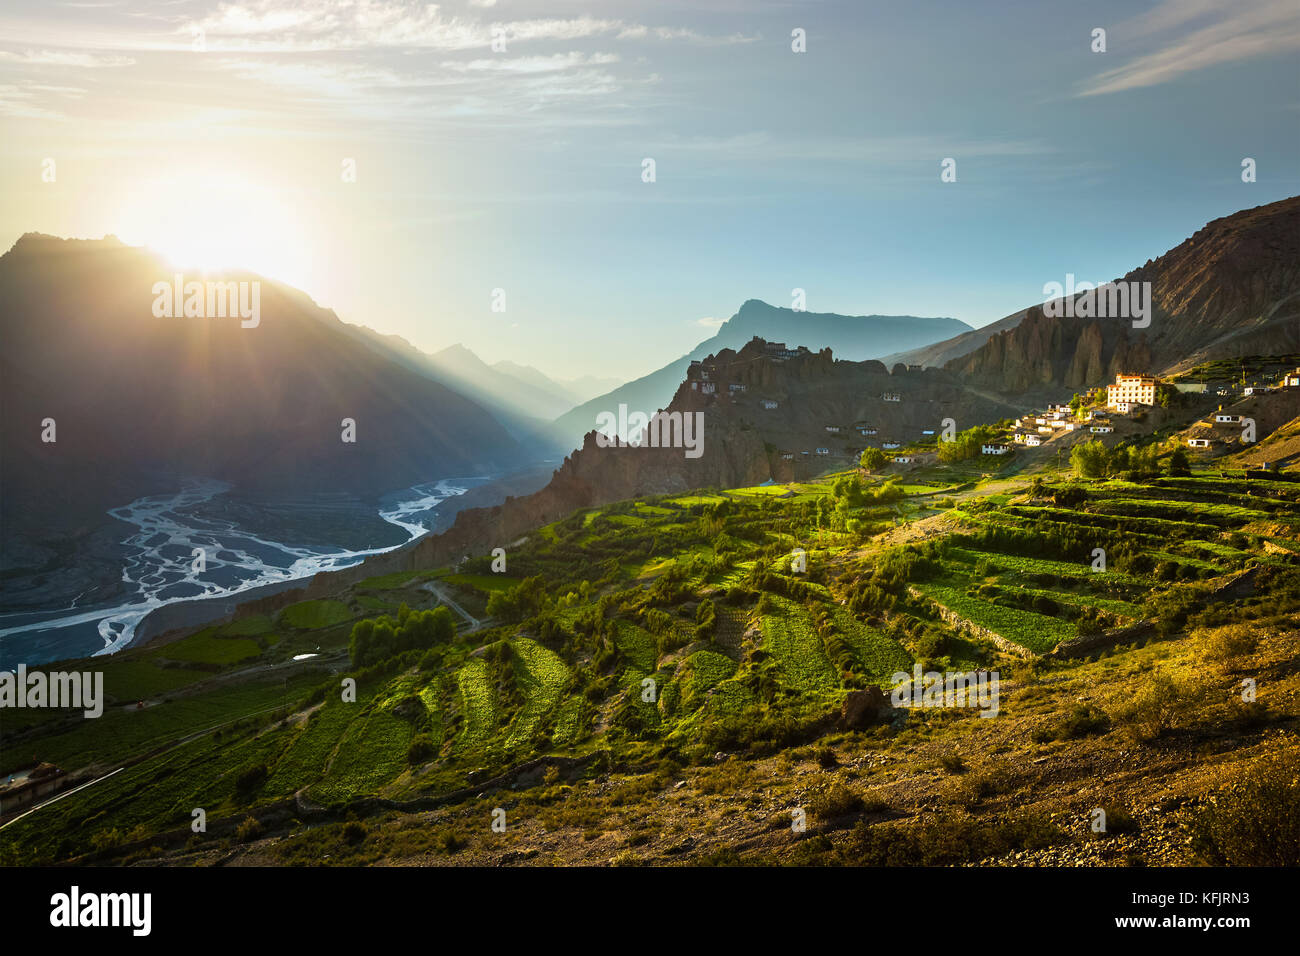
{"x":216,"y":222}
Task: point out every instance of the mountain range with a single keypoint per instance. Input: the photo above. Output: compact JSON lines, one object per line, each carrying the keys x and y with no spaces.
{"x":855,"y":338}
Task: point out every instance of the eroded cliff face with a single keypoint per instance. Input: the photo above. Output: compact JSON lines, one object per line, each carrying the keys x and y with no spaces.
{"x":1232,"y":289}
{"x":1046,"y":351}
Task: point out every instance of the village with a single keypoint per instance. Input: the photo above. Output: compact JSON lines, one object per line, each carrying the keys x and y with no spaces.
{"x":1133,"y":404}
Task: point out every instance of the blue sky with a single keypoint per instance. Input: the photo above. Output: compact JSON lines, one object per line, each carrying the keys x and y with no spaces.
{"x":520,"y":168}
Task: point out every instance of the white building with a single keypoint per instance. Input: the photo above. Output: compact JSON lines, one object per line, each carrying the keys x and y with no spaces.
{"x":834,"y":429}
{"x":1101,"y":429}
{"x":1131,"y":390}
{"x":994,"y":449}
{"x":891,"y":444}
{"x":891,"y":397}
{"x":823,"y":451}
{"x":1033,"y":441}
{"x":1198,"y":443}
{"x":768,"y":403}
{"x":1224,"y":418}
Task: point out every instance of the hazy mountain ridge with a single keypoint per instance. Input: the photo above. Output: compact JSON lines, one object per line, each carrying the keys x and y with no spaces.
{"x":136,"y":398}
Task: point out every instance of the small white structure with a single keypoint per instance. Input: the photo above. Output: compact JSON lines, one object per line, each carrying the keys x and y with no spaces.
{"x":768,"y":403}
{"x":823,"y":451}
{"x":890,"y":444}
{"x":708,"y":388}
{"x":994,"y":449}
{"x":904,"y":460}
{"x":1198,"y":443}
{"x":927,"y":431}
{"x":735,"y":387}
{"x":891,"y":397}
{"x":1033,"y":441}
{"x":1257,"y":390}
{"x":1123,"y":407}
{"x":1101,"y":429}
{"x":833,"y":429}
{"x":1225,"y":418}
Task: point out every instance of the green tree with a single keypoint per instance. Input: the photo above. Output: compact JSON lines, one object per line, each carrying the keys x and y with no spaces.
{"x":873,"y":459}
{"x":1180,"y":465}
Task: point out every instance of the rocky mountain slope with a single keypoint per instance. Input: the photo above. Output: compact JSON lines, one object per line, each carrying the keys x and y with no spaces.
{"x":1232,"y":289}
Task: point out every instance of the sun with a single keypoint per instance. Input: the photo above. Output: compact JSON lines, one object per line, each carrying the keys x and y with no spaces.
{"x":216,"y":221}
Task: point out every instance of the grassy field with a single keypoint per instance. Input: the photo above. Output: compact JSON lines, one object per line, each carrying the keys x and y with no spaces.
{"x":621,"y":596}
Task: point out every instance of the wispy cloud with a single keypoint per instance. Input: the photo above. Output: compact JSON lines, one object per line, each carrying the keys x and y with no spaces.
{"x":63,"y":58}
{"x":319,"y":25}
{"x":1185,"y":36}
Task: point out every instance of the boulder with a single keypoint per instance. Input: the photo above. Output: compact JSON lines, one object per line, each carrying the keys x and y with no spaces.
{"x":862,"y":708}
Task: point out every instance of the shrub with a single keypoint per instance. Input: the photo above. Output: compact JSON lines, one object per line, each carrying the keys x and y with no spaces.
{"x":1156,"y":709}
{"x":421,"y":750}
{"x":354,"y":831}
{"x":249,"y":829}
{"x":952,"y":763}
{"x":1227,"y":644}
{"x":1119,"y":820}
{"x":1083,"y":720}
{"x":837,"y":800}
{"x":251,"y":778}
{"x":1251,"y":818}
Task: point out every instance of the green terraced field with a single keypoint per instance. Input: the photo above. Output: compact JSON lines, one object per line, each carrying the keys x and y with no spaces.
{"x":789,"y":636}
{"x":541,"y":676}
{"x":636,"y":644}
{"x":371,"y":754}
{"x":1037,"y":632}
{"x":478,"y":704}
{"x":880,"y":655}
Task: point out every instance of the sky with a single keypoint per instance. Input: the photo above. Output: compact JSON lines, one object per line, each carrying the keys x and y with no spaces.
{"x":406,"y":163}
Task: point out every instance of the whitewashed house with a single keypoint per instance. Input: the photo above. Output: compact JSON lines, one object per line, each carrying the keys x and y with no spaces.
{"x":768,"y":403}
{"x":994,"y":449}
